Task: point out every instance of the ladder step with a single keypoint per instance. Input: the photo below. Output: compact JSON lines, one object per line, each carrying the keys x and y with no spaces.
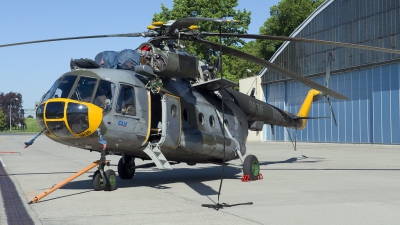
{"x":157,"y":157}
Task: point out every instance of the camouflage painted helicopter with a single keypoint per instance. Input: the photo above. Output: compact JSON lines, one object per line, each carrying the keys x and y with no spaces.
{"x":167,"y":106}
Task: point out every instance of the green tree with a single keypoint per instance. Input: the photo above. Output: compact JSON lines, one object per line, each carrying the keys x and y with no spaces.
{"x":212,"y":9}
{"x":236,"y":68}
{"x":3,"y":124}
{"x":13,"y":101}
{"x":285,"y":18}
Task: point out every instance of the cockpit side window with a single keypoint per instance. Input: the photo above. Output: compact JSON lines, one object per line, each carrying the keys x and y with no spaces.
{"x":84,"y":89}
{"x":64,"y":87}
{"x":105,"y":91}
{"x":126,"y":100}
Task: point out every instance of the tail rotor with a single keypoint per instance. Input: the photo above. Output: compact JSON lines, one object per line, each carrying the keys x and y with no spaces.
{"x":327,"y":78}
{"x":330,"y":106}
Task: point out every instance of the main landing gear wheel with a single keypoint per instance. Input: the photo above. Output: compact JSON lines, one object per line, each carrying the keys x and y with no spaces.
{"x":98,"y":182}
{"x":111,"y":181}
{"x":251,"y":167}
{"x":124,"y":169}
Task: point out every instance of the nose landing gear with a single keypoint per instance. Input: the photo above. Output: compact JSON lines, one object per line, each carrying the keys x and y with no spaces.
{"x":104,"y":180}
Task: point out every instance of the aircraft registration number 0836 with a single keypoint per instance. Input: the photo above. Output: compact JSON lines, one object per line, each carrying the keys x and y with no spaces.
{"x":86,"y":133}
{"x":255,"y":107}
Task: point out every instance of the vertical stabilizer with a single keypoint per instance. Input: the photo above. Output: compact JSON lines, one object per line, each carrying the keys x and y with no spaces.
{"x":305,"y":107}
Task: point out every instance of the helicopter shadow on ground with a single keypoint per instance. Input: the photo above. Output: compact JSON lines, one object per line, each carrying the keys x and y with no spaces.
{"x":160,"y":179}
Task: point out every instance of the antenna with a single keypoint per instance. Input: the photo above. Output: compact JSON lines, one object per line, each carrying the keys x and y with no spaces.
{"x":218,"y":205}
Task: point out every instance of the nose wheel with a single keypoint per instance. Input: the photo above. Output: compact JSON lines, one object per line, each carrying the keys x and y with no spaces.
{"x":111,"y":181}
{"x":106,"y":181}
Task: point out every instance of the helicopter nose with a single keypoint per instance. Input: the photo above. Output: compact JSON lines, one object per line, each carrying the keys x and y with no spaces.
{"x":69,"y":118}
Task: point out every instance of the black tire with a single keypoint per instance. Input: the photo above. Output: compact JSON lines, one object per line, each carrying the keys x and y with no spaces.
{"x":251,"y":167}
{"x":111,"y":181}
{"x":124,"y":169}
{"x":97,"y":181}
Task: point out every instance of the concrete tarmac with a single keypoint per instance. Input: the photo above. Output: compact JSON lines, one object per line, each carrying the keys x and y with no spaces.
{"x":317,"y":184}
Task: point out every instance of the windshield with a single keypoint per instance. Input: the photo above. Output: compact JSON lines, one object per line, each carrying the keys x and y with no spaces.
{"x":87,"y":89}
{"x":84,"y":89}
{"x":64,"y":87}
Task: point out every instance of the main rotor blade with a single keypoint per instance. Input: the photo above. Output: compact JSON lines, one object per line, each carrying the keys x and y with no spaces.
{"x":273,"y":67}
{"x":282,"y":38}
{"x":75,"y":38}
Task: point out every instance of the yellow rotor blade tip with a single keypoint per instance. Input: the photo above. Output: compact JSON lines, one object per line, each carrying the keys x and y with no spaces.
{"x":157,"y":24}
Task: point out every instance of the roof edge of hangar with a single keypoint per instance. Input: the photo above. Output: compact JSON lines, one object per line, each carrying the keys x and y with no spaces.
{"x":297,"y":30}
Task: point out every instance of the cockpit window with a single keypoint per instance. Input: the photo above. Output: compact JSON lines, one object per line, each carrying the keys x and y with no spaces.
{"x":64,"y":87}
{"x":126,"y":100}
{"x":84,"y":89}
{"x":105,"y":91}
{"x":48,"y":93}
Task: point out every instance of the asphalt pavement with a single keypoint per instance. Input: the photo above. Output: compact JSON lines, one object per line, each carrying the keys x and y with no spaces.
{"x":317,"y":184}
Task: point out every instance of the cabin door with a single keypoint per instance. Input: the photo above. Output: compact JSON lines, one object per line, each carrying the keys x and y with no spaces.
{"x":171,"y":121}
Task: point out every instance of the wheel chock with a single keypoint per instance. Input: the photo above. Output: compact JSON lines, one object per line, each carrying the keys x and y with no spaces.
{"x":246,"y":178}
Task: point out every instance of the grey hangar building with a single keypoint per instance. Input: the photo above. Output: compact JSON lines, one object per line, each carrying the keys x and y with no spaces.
{"x":370,"y":79}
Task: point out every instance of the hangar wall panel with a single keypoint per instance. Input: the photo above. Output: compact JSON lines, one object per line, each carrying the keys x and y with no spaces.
{"x":372,"y":115}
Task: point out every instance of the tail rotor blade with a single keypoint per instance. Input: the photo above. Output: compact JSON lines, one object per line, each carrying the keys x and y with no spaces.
{"x":333,"y":114}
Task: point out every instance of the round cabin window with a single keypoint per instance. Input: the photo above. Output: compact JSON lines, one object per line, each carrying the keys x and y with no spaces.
{"x":212,"y":121}
{"x":174,"y":111}
{"x":226,"y":123}
{"x":201,"y":118}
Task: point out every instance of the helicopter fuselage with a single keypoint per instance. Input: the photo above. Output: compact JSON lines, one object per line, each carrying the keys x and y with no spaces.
{"x":184,"y":122}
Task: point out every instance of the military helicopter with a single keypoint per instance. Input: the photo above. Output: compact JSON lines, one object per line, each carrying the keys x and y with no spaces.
{"x":163,"y":104}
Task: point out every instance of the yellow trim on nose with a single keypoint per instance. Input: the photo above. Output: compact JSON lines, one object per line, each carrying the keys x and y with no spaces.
{"x":95,"y":116}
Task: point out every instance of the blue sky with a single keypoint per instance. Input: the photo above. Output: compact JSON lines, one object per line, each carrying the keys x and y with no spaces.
{"x":32,"y":69}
